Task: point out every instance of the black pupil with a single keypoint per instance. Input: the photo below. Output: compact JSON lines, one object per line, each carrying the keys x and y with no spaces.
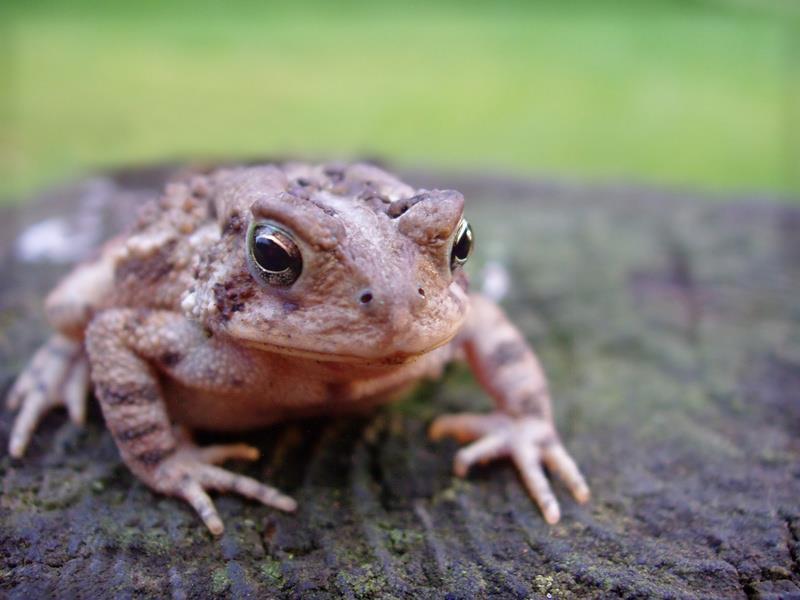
{"x":271,"y":255}
{"x":462,"y":246}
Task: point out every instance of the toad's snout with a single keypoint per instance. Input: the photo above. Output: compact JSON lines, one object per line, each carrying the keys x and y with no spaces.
{"x":381,"y":303}
{"x":394,"y":307}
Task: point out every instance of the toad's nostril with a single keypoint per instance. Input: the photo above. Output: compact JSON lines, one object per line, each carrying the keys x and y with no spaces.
{"x":365,"y":298}
{"x":421,"y":292}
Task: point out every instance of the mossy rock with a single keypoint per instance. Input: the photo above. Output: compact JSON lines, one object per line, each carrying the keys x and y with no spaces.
{"x":669,"y":326}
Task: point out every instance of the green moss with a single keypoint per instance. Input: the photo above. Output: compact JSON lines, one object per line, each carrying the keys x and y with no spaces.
{"x":366,"y":582}
{"x":271,"y":570}
{"x":156,"y":541}
{"x":220,"y":581}
{"x":22,"y":497}
{"x":60,"y":489}
{"x":450,"y":493}
{"x":402,"y":540}
{"x":152,"y":541}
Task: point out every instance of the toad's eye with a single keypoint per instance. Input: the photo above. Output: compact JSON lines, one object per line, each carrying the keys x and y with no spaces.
{"x":462,"y":245}
{"x":272,"y":254}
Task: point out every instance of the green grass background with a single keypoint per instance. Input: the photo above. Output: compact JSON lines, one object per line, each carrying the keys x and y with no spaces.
{"x":683,"y":93}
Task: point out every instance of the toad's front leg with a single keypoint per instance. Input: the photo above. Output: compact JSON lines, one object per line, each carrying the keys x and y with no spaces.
{"x":57,"y":375}
{"x":123,"y":346}
{"x":522,"y":428}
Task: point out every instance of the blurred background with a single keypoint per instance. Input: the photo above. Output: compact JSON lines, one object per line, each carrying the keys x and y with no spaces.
{"x":699,"y":94}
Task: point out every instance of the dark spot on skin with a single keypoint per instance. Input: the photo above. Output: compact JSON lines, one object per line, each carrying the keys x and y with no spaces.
{"x":209,"y":374}
{"x":151,"y":458}
{"x":140,"y":431}
{"x":136,"y":321}
{"x":328,"y":210}
{"x":170,"y":359}
{"x":127,"y":394}
{"x":507,"y":353}
{"x":220,"y":297}
{"x":290,"y":307}
{"x":532,"y":404}
{"x":303,"y":182}
{"x":234,"y":224}
{"x":334,"y":173}
{"x":199,"y":187}
{"x":399,"y":207}
{"x":204,"y":267}
{"x":323,"y":207}
{"x":374,"y":200}
{"x":148,"y":214}
{"x":140,"y":316}
{"x":232,"y":296}
{"x":299,"y":192}
{"x":146,"y":269}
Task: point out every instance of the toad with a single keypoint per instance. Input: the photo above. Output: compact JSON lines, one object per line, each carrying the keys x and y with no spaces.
{"x":253,"y":295}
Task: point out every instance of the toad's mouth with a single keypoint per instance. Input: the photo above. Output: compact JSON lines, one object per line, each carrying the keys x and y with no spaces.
{"x":398,"y":357}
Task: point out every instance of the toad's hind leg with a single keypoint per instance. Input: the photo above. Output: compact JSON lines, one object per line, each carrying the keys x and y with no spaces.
{"x":57,"y":375}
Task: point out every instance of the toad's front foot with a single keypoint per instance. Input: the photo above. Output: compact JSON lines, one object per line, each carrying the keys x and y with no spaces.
{"x":190,"y":471}
{"x":57,"y":375}
{"x":528,"y":440}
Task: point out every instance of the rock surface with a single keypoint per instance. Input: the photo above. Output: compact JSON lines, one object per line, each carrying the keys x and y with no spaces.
{"x":669,"y":326}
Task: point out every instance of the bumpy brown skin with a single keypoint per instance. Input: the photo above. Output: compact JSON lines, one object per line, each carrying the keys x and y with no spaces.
{"x":180,"y":333}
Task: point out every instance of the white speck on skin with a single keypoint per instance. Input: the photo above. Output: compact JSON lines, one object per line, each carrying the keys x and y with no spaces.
{"x":205,"y":236}
{"x":188,"y":303}
{"x":147,"y":243}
